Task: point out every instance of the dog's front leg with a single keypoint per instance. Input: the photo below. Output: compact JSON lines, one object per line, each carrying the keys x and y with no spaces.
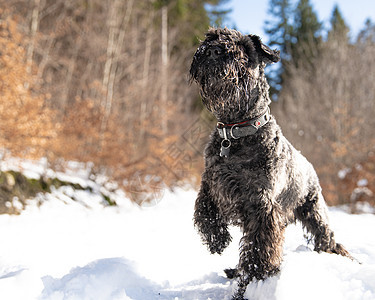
{"x":261,"y":245}
{"x":209,"y":222}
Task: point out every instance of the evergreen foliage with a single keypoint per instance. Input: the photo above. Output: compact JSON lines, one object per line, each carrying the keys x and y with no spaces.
{"x":279,"y":31}
{"x":339,"y":28}
{"x":306,"y":34}
{"x":306,"y":27}
{"x":367,"y":34}
{"x":293,"y":30}
{"x":278,"y":28}
{"x":215,"y":11}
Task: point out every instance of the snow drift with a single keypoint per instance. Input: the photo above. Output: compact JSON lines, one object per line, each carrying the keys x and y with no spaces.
{"x":68,"y":244}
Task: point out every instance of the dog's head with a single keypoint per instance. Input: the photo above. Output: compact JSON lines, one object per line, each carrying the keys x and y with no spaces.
{"x":228,"y":68}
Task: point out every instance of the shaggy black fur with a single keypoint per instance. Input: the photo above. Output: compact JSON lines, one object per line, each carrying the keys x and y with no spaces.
{"x":265,"y":183}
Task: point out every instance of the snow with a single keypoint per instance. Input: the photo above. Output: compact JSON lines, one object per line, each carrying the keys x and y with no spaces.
{"x":362,"y":182}
{"x":359,"y":192}
{"x":342,"y":173}
{"x":68,"y":245}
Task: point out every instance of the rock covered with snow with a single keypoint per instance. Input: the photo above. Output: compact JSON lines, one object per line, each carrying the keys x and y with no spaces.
{"x":22,"y":180}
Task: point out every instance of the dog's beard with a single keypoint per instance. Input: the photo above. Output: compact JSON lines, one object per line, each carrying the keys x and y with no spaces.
{"x":228,"y":89}
{"x":228,"y":86}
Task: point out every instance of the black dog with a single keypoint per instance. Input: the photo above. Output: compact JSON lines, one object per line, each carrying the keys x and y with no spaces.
{"x":253,"y":177}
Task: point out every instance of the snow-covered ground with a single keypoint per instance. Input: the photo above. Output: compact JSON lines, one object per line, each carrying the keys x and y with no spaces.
{"x":82,"y":249}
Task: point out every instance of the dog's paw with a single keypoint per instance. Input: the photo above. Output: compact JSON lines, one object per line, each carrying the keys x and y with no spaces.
{"x":238,"y":297}
{"x":231,"y":273}
{"x":340,"y":250}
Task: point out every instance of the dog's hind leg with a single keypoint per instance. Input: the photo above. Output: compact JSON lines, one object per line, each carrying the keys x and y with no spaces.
{"x":313,"y":215}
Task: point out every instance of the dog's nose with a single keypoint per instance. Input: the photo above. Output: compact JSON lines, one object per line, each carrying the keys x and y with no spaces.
{"x":214,"y":52}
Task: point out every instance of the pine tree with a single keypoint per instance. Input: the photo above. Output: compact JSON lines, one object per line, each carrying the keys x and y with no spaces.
{"x":306,"y":24}
{"x":215,"y":11}
{"x":279,"y":28}
{"x":279,"y":31}
{"x":367,"y":35}
{"x":339,"y":30}
{"x":306,"y":32}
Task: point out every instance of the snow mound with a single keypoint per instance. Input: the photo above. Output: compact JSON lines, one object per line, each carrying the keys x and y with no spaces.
{"x":111,"y":278}
{"x":117,"y":278}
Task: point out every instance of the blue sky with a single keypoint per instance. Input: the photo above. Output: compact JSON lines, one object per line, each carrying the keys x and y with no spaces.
{"x":249,"y":15}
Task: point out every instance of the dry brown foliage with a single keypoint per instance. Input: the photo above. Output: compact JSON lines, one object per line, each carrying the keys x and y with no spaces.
{"x":101,"y":83}
{"x":358,"y":184}
{"x":27,"y":126}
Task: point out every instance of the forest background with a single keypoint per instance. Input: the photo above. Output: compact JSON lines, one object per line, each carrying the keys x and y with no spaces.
{"x":106,"y":82}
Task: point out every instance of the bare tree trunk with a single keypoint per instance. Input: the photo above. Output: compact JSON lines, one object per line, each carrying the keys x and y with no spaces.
{"x":33,"y":30}
{"x":71,"y":69}
{"x":45,"y":58}
{"x":117,"y":32}
{"x":108,"y":63}
{"x":145,"y":75}
{"x":164,"y":67}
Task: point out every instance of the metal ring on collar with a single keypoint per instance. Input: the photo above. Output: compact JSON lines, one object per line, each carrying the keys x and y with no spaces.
{"x":226,"y":143}
{"x":231,"y":132}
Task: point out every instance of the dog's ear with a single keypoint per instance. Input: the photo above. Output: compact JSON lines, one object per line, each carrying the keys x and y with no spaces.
{"x":265,"y":53}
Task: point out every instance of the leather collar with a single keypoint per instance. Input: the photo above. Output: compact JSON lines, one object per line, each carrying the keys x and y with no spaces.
{"x":242,"y":129}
